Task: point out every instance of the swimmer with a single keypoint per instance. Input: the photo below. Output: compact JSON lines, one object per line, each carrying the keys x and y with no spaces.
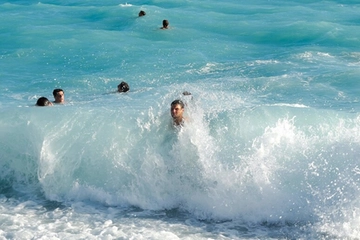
{"x":177,"y":111}
{"x":59,"y":96}
{"x":43,"y":101}
{"x":142,"y":13}
{"x":123,"y":87}
{"x":165,"y":24}
{"x":187,"y":95}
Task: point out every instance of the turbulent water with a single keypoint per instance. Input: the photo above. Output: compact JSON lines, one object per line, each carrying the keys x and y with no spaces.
{"x":270,"y":148}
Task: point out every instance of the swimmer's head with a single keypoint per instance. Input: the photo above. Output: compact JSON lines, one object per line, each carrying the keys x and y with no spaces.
{"x":123,"y":87}
{"x":43,"y":101}
{"x":59,"y":95}
{"x":178,"y":102}
{"x":165,"y":23}
{"x":177,"y":111}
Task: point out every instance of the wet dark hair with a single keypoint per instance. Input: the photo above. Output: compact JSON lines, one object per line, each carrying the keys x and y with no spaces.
{"x":165,"y":23}
{"x":57,"y":90}
{"x":43,"y":101}
{"x":142,"y":13}
{"x":176,"y":102}
{"x":123,"y":87}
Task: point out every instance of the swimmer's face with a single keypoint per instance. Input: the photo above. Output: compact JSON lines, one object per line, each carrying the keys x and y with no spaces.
{"x":176,"y":111}
{"x":59,"y":97}
{"x":121,"y":88}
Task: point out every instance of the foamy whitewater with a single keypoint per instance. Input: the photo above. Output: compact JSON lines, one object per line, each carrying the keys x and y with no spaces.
{"x":270,"y":150}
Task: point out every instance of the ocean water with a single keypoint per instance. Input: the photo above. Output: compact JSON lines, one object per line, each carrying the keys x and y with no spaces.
{"x":271,"y":148}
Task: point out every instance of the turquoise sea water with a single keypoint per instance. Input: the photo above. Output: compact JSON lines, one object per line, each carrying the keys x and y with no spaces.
{"x":271,"y":149}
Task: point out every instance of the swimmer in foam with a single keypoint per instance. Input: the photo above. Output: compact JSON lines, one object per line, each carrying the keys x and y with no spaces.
{"x":43,"y":102}
{"x":188,"y":94}
{"x":123,"y":87}
{"x":59,"y":96}
{"x":177,"y":112}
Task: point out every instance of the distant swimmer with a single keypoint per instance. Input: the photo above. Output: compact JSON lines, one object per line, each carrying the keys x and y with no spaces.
{"x":43,"y":101}
{"x":177,"y":111}
{"x":142,"y":13}
{"x":59,"y":96}
{"x":123,"y":87}
{"x":188,"y":95}
{"x":165,"y":24}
